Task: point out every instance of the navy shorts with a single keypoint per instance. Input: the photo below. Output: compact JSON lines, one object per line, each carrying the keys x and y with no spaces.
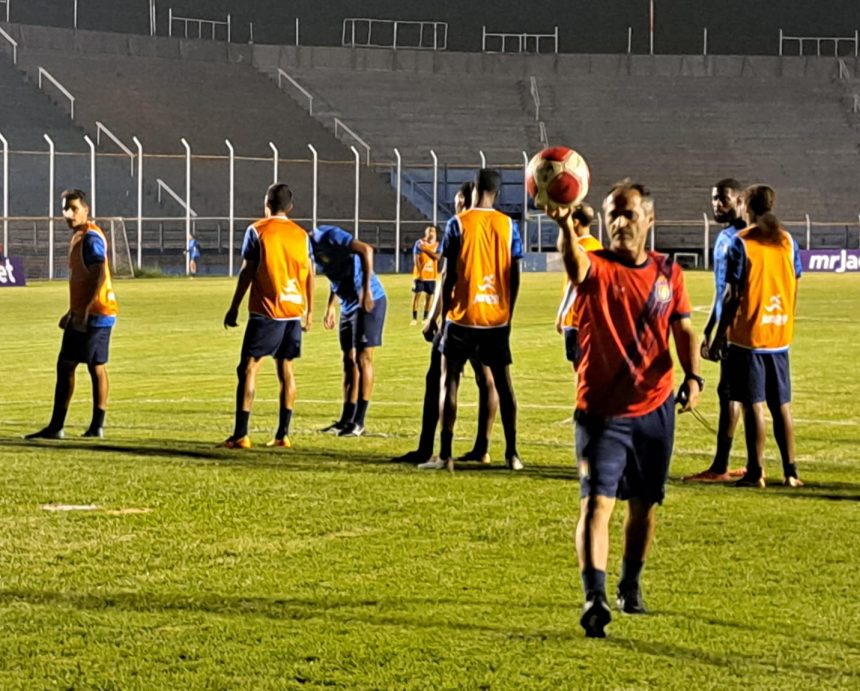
{"x":571,"y":345}
{"x":362,"y":329}
{"x":90,"y":347}
{"x":626,"y":457}
{"x":757,"y":377}
{"x":281,"y":339}
{"x":490,"y":347}
{"x":420,"y":286}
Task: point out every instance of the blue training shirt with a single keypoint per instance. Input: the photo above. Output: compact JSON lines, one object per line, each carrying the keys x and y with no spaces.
{"x":721,"y":248}
{"x":94,"y":251}
{"x":342,"y":267}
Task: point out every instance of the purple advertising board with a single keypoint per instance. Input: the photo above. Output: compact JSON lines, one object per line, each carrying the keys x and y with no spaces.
{"x":12,"y":272}
{"x":833,"y":261}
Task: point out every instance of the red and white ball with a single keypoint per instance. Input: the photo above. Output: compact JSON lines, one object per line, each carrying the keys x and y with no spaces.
{"x":557,"y":176}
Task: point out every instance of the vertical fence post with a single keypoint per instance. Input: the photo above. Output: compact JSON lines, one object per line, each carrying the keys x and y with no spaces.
{"x":435,"y":186}
{"x":139,"y":201}
{"x":483,"y":159}
{"x":232,"y":207}
{"x":50,"y":206}
{"x":808,"y":233}
{"x":705,"y":42}
{"x":76,"y":27}
{"x":229,"y":28}
{"x":397,"y":215}
{"x":297,"y":31}
{"x":525,"y":228}
{"x":629,"y":40}
{"x":315,"y":183}
{"x":600,"y":227}
{"x":187,"y":204}
{"x":651,"y":28}
{"x":92,"y":173}
{"x":170,"y":22}
{"x":653,"y":230}
{"x":5,"y":194}
{"x":707,"y":242}
{"x":275,"y":160}
{"x":357,"y":187}
{"x":780,"y":43}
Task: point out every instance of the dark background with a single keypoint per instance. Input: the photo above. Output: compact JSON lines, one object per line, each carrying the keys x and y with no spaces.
{"x":585,"y":26}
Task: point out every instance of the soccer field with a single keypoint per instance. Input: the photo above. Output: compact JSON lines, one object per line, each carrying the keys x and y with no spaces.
{"x":326,"y":565}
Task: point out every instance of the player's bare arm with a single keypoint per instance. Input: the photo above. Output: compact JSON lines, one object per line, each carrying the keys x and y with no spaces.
{"x":686,"y":343}
{"x":731,"y":301}
{"x":243,"y":282}
{"x":96,"y":277}
{"x":309,"y":292}
{"x":431,"y":324}
{"x":515,"y":284}
{"x":576,"y":261}
{"x":365,"y":253}
{"x":563,"y":306}
{"x":329,"y":318}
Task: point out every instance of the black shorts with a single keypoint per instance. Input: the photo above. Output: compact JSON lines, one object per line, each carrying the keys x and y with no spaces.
{"x":362,"y":329}
{"x":490,"y":347}
{"x":90,"y":347}
{"x":281,"y":339}
{"x":757,"y":377}
{"x":626,"y":457}
{"x":422,"y":286}
{"x":571,"y":345}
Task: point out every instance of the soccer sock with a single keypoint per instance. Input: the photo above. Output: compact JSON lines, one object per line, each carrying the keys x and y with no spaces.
{"x":720,"y":463}
{"x":284,"y":423}
{"x":98,"y":418}
{"x":789,"y":469}
{"x":593,"y":582}
{"x":241,"y":427}
{"x":360,"y":411}
{"x":630,"y":572}
{"x":482,"y":445}
{"x":348,"y":412}
{"x":426,"y":314}
{"x":415,"y":314}
{"x":61,"y":395}
{"x":447,"y":441}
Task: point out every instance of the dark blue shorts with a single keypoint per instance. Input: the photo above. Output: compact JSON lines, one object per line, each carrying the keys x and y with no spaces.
{"x":90,"y":347}
{"x":420,"y":286}
{"x":757,"y":377}
{"x":626,"y":457}
{"x":362,"y":329}
{"x":281,"y":339}
{"x":490,"y":347}
{"x":571,"y":345}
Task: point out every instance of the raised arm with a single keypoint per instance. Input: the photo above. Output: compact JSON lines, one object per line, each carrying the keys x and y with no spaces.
{"x":576,"y":261}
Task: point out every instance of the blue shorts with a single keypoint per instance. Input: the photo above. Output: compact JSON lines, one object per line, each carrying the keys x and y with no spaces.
{"x":421,"y":286}
{"x":90,"y":347}
{"x":489,"y":347}
{"x":281,"y":339}
{"x":571,"y":345}
{"x":626,"y":457}
{"x":757,"y":377}
{"x":360,"y":329}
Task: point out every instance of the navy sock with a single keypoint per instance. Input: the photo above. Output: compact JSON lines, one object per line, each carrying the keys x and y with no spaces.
{"x":98,"y":420}
{"x":426,"y":314}
{"x":631,"y":569}
{"x":284,"y":423}
{"x":415,"y":314}
{"x":720,"y":463}
{"x":240,"y":429}
{"x":482,"y":445}
{"x":593,"y":582}
{"x":348,"y":413}
{"x":446,"y":442}
{"x":360,"y":411}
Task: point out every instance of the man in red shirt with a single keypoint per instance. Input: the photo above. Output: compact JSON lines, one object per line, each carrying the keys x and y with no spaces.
{"x":629,"y":300}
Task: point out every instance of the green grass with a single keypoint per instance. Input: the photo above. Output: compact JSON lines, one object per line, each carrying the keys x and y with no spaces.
{"x":327,"y":566}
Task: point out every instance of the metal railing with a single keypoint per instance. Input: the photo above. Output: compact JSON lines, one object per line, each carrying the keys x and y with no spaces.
{"x":307,"y":94}
{"x":12,"y":42}
{"x":6,"y":2}
{"x":853,"y":42}
{"x":358,"y":33}
{"x":844,"y":72}
{"x":211,"y":24}
{"x":340,"y":125}
{"x":544,"y":137}
{"x":522,"y":43}
{"x":163,"y":186}
{"x":63,"y":90}
{"x":533,"y":90}
{"x":100,"y":127}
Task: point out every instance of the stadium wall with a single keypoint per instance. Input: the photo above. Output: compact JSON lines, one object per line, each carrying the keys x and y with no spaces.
{"x":585,"y":26}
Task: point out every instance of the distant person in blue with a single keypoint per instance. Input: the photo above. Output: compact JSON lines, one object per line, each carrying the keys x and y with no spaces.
{"x":348,"y":265}
{"x":193,"y":253}
{"x":725,"y":201}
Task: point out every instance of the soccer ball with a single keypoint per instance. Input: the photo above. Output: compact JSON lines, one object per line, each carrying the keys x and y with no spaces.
{"x":557,"y":176}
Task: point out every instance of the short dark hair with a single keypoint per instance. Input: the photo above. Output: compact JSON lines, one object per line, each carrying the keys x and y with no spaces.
{"x":74,"y":194}
{"x":584,"y":214}
{"x":278,"y":198}
{"x":729,"y":184}
{"x":466,"y":190}
{"x":627,"y":185}
{"x":488,"y":181}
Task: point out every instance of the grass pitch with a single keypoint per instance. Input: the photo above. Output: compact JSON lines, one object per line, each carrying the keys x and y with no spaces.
{"x":325,"y":565}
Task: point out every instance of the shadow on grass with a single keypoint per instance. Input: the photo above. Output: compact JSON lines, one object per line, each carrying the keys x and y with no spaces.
{"x":375,"y":612}
{"x":829,"y":491}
